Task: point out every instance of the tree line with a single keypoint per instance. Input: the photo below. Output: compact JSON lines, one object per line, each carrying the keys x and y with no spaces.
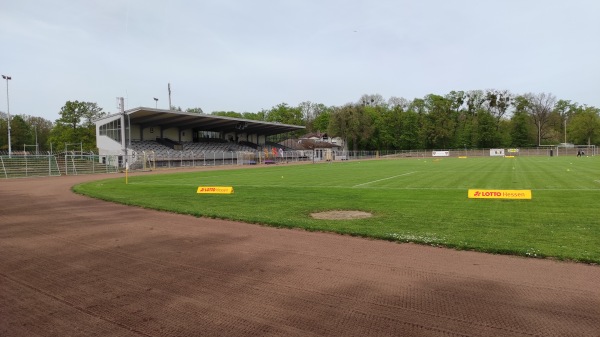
{"x":472,"y":119}
{"x":460,"y":119}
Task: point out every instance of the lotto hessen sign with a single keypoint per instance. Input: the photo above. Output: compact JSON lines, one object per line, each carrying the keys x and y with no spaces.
{"x":215,"y":190}
{"x":499,"y":194}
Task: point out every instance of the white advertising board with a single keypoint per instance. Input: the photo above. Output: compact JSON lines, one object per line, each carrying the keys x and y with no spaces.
{"x":440,"y":153}
{"x":496,"y":152}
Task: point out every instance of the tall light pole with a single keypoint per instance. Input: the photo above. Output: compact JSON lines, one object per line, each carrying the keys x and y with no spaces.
{"x":7,"y":78}
{"x":155,"y":103}
{"x":565,"y":130}
{"x":169,"y":87}
{"x":36,"y":142}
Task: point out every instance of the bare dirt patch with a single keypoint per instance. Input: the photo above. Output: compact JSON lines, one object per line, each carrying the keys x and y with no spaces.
{"x":341,"y":215}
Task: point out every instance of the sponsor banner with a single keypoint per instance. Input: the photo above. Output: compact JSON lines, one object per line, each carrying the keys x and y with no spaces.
{"x":499,"y":194}
{"x":215,"y":190}
{"x":497,"y":152}
{"x":440,"y":153}
{"x":513,"y":150}
{"x":462,"y":157}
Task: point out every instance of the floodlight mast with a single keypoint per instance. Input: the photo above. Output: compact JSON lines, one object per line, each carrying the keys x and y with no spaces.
{"x":169,"y":88}
{"x":36,"y":139}
{"x":122,"y":112}
{"x":7,"y":78}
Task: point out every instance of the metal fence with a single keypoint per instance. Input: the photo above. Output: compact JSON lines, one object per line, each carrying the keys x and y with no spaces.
{"x":16,"y":166}
{"x":76,"y":163}
{"x":24,"y":164}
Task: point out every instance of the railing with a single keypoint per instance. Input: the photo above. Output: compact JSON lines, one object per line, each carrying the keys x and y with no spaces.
{"x":75,"y":163}
{"x":21,"y":166}
{"x":84,"y":163}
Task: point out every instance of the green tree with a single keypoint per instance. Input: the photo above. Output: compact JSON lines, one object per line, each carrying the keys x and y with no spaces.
{"x":19,"y":133}
{"x":418,"y":107}
{"x":487,"y":130}
{"x":398,"y":102}
{"x":389,"y":125}
{"x":351,"y":123}
{"x":262,"y":115}
{"x":76,"y":125}
{"x":441,"y":121}
{"x":194,"y":110}
{"x":504,"y":133}
{"x":520,"y":132}
{"x":540,"y":107}
{"x":498,"y":102}
{"x":41,"y":128}
{"x":310,"y":112}
{"x":320,"y":122}
{"x":585,"y":126}
{"x":372,"y":100}
{"x":253,"y":116}
{"x":283,"y":113}
{"x":464,"y":130}
{"x":409,"y":136}
{"x":227,"y":114}
{"x":380,"y":137}
{"x":474,"y":100}
{"x":3,"y":132}
{"x":565,"y":109}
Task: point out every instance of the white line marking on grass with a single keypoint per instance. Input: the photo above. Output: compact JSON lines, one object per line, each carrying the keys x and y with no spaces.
{"x":374,"y":181}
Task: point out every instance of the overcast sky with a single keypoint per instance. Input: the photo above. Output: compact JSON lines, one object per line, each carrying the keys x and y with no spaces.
{"x":244,"y":56}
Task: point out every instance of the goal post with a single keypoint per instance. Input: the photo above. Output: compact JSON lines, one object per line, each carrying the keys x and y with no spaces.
{"x":588,"y":150}
{"x":551,"y":150}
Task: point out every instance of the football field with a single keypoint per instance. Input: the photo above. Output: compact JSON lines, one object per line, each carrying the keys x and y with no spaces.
{"x":410,"y":200}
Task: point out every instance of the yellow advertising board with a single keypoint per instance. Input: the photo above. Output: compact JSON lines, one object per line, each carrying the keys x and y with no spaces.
{"x":215,"y":190}
{"x":499,"y":194}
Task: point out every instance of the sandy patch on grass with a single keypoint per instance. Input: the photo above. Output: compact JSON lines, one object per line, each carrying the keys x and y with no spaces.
{"x":341,"y":215}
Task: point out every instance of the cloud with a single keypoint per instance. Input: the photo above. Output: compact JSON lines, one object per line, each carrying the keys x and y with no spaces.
{"x":246,"y":56}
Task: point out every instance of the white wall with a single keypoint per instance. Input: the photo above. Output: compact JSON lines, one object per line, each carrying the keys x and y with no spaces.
{"x":107,"y":146}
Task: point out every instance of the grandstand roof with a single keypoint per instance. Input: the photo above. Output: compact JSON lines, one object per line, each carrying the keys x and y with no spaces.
{"x":169,"y":118}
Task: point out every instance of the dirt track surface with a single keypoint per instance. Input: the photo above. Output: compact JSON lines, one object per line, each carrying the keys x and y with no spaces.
{"x":74,"y":266}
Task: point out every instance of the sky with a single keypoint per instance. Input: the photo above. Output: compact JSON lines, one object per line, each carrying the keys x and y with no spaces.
{"x":245,"y":56}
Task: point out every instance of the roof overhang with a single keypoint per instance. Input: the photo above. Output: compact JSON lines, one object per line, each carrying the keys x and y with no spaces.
{"x":148,"y":117}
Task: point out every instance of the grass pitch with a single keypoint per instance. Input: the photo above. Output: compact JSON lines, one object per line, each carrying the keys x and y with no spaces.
{"x":412,"y":200}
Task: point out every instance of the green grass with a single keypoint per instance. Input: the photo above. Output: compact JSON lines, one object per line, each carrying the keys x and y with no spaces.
{"x":416,"y":200}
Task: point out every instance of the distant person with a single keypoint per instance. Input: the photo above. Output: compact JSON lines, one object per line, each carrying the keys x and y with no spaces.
{"x":578,"y":153}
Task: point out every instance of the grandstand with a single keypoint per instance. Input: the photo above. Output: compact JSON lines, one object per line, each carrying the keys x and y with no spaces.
{"x":178,"y":138}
